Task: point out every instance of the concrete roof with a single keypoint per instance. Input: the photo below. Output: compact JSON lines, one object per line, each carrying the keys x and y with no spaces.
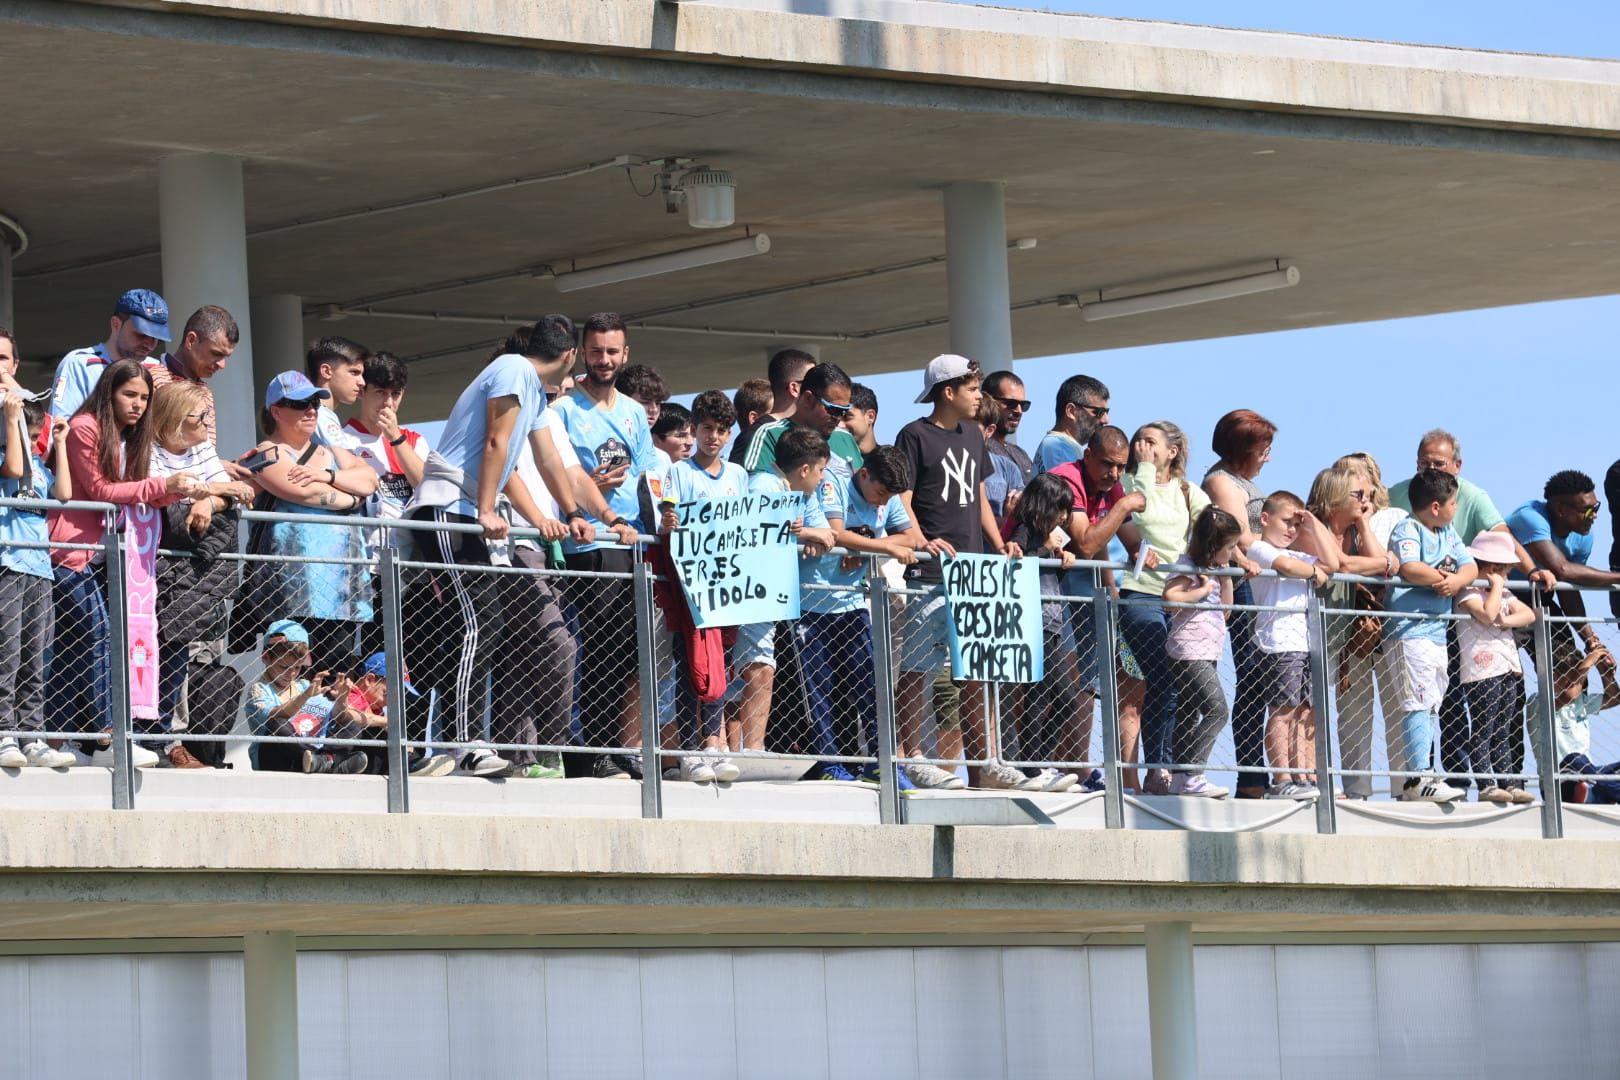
{"x":1402,"y":180}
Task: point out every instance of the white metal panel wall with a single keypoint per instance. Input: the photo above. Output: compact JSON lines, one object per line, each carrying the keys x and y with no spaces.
{"x":1323,"y":1012}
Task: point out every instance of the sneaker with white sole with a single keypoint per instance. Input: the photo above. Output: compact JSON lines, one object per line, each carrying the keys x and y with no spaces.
{"x":925,"y":775}
{"x":139,"y":756}
{"x":1195,"y":785}
{"x":1006,"y":778}
{"x":42,"y":755}
{"x":429,"y":764}
{"x":1292,"y":789}
{"x":695,"y":770}
{"x":1492,"y":794}
{"x":482,"y":763}
{"x":1053,"y":780}
{"x":725,"y":770}
{"x":1428,"y":788}
{"x":11,"y":756}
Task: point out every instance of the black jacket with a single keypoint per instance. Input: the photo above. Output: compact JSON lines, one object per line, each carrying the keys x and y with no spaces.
{"x":193,"y":588}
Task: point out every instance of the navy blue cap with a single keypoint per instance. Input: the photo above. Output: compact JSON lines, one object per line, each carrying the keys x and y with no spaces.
{"x":292,"y":386}
{"x":147,"y":310}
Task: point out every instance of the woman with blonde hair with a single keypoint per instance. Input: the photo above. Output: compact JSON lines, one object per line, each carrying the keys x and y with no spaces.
{"x":1157,"y":536}
{"x":1350,"y":500}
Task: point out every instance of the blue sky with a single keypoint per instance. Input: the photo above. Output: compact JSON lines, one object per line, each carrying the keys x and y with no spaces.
{"x":1492,"y":372}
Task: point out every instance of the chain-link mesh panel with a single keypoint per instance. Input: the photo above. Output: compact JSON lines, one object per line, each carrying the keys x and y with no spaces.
{"x":1586,"y":746}
{"x":1046,"y":728}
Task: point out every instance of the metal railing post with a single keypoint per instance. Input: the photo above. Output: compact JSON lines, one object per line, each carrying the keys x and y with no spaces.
{"x":652,"y":759}
{"x":123,"y":774}
{"x":399,"y":796}
{"x":1106,"y":644}
{"x":1543,"y":740}
{"x":883,"y":679}
{"x":1321,"y":702}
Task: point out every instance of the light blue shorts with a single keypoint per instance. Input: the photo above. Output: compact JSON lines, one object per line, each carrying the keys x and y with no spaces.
{"x":925,"y":630}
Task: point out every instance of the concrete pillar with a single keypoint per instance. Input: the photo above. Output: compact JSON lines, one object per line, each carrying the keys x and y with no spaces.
{"x":813,"y":349}
{"x":204,"y":241}
{"x":976,"y":273}
{"x":8,"y":310}
{"x":270,"y":982}
{"x":1172,"y":1013}
{"x":278,"y":338}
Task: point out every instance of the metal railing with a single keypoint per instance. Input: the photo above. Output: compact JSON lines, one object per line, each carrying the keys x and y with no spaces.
{"x":536,"y":660}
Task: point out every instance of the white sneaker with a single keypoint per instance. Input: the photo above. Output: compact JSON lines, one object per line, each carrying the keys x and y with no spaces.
{"x":482,"y":763}
{"x":697,"y":771}
{"x":725,"y":770}
{"x":1053,"y":780}
{"x":139,"y":756}
{"x":41,"y":756}
{"x":925,"y":775}
{"x":1428,"y":788}
{"x":1292,"y":789}
{"x":433,"y":765}
{"x":1194,"y":784}
{"x":1006,"y":778}
{"x":10,"y":756}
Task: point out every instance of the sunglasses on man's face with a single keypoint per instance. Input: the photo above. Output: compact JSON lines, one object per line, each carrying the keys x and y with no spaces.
{"x":1013,"y":403}
{"x":1589,"y":512}
{"x":1098,"y":412}
{"x":833,"y":408}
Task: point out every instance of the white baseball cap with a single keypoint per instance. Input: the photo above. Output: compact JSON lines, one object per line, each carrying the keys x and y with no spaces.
{"x":943,"y":368}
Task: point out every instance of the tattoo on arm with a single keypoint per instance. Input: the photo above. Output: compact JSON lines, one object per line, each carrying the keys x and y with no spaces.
{"x":325,"y":500}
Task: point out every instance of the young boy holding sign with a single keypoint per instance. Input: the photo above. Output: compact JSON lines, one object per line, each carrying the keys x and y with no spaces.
{"x":801,"y":458}
{"x":834,"y":633}
{"x":704,"y":475}
{"x":947,"y":462}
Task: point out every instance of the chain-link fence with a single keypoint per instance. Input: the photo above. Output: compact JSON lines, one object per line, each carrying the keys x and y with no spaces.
{"x":410,"y":650}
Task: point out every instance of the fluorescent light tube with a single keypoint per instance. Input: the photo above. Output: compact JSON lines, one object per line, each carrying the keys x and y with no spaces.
{"x":1192,"y":294}
{"x":668,"y":263}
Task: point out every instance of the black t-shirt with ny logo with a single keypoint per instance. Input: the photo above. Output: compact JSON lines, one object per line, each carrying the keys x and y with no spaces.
{"x":947,"y":468}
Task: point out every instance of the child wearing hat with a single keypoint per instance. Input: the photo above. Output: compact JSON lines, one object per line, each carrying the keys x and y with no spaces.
{"x":1491,"y":675}
{"x":363,"y":711}
{"x":282,"y":703}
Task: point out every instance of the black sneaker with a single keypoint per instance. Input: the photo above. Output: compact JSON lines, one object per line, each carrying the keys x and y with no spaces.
{"x":631,"y":764}
{"x":607,"y":768}
{"x":354,"y":763}
{"x":317,"y":762}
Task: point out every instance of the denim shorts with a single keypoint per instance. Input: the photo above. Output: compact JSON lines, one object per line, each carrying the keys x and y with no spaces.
{"x":925,"y":630}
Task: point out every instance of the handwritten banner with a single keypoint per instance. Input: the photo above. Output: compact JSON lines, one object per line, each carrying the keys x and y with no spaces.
{"x":737,"y":558}
{"x":995,"y":610}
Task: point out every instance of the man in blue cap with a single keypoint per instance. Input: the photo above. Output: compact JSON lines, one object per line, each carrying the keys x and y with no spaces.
{"x":140,"y":320}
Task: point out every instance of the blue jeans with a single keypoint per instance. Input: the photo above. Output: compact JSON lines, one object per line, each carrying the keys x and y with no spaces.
{"x":1603,"y":791}
{"x":77,"y":697}
{"x":1248,"y":701}
{"x":698,"y":719}
{"x":835,"y":653}
{"x":1146,"y":629}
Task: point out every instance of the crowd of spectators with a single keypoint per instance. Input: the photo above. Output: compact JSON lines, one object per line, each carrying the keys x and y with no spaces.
{"x":561,"y":434}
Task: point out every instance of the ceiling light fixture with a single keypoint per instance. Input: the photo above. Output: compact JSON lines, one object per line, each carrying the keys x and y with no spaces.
{"x":668,"y":263}
{"x":1281,"y":278}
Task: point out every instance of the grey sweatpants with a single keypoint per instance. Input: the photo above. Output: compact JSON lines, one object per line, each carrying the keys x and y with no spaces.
{"x":27,"y":620}
{"x":1201,"y":710}
{"x":534,"y":665}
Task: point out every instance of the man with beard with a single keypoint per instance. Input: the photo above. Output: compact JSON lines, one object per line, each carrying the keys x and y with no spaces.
{"x":609,"y":433}
{"x":1010,"y":467}
{"x":821,"y":405}
{"x":140,"y":320}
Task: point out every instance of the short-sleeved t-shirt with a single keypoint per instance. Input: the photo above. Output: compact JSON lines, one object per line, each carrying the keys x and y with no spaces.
{"x":1196,"y":633}
{"x":1475,"y":511}
{"x":841,"y":498}
{"x":689,"y":481}
{"x":309,"y":722}
{"x":947,"y":468}
{"x":1572,"y":724}
{"x":774,"y":483}
{"x":76,"y":376}
{"x":609,"y":436}
{"x":394,"y":489}
{"x":330,"y":432}
{"x":1412,"y":541}
{"x":1082,"y":580}
{"x":201,"y":461}
{"x":1484,"y":651}
{"x":450,"y":478}
{"x":1529,"y":523}
{"x":1006,"y":477}
{"x":26,"y":526}
{"x":1285,"y":630}
{"x":529,"y":473}
{"x":759,"y":455}
{"x":1056,"y":448}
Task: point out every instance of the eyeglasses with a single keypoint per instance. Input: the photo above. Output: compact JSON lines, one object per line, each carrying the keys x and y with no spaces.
{"x":307,"y":405}
{"x":833,"y":408}
{"x":1098,"y":412}
{"x":1013,"y":403}
{"x":1359,"y":495}
{"x":203,"y":417}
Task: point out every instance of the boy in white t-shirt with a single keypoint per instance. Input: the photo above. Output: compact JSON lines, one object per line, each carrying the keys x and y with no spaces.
{"x":396,"y":453}
{"x":1282,"y":635}
{"x":1575,"y":706}
{"x":1491,"y":677}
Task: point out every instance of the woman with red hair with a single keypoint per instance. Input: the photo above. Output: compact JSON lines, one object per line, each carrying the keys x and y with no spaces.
{"x":1242,"y":443}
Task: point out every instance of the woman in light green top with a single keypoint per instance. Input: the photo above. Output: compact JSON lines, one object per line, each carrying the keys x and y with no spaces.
{"x":1158,"y":469}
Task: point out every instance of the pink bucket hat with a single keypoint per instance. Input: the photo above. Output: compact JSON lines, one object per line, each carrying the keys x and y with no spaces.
{"x":1494,"y":547}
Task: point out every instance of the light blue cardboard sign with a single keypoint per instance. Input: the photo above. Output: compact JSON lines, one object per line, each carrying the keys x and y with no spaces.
{"x":737,"y":558}
{"x":995,"y":610}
